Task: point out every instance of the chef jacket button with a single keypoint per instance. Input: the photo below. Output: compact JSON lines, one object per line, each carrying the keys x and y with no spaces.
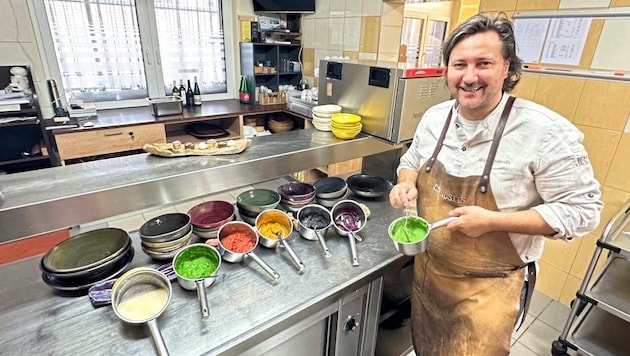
{"x":463,"y":148}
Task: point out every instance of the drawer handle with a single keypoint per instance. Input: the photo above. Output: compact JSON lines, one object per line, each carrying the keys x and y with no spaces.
{"x":113,"y":134}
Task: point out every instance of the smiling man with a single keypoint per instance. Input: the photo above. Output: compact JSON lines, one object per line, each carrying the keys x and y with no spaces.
{"x":514,"y":173}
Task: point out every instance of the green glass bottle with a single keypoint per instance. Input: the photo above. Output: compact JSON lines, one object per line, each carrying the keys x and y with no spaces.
{"x":243,"y":91}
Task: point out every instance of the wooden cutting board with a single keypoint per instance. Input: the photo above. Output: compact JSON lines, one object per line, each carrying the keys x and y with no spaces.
{"x":167,"y":149}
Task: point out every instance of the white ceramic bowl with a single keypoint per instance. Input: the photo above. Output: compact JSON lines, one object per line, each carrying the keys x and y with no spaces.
{"x":327,"y":109}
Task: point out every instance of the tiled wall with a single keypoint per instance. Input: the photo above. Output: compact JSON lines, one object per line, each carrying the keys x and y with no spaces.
{"x":601,"y":110}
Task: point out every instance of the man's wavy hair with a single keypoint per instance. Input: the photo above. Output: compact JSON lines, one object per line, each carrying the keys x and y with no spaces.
{"x":483,"y":23}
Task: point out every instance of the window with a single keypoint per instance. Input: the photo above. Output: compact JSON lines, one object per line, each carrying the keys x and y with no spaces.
{"x":116,"y":53}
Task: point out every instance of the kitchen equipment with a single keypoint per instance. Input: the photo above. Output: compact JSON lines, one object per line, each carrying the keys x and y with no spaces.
{"x":140,"y":296}
{"x":369,"y":186}
{"x":165,"y":227}
{"x":296,"y":194}
{"x":313,"y":222}
{"x":211,"y":214}
{"x":274,"y":226}
{"x":254,"y":201}
{"x":330,"y":187}
{"x":240,"y":234}
{"x":164,"y":106}
{"x":196,"y":267}
{"x":348,"y":219}
{"x":389,"y":100}
{"x":410,"y":233}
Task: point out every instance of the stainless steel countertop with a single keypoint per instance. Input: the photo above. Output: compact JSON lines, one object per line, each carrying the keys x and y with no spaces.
{"x":245,"y":306}
{"x":50,"y":199}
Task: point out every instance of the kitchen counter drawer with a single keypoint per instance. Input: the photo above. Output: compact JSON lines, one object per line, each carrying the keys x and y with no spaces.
{"x":104,"y":141}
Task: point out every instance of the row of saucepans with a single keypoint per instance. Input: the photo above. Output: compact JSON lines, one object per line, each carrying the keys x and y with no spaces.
{"x":141,"y":294}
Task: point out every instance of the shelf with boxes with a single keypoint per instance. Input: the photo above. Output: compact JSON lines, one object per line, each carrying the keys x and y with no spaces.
{"x":270,"y":65}
{"x":24,"y":144}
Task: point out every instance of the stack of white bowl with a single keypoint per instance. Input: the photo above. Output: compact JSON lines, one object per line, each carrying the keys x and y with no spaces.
{"x":322,"y":114}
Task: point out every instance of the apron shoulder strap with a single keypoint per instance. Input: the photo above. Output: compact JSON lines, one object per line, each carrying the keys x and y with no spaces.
{"x":438,"y":146}
{"x":485,"y":177}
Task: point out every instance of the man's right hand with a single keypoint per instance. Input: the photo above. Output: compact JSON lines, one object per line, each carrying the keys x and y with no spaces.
{"x":402,"y":194}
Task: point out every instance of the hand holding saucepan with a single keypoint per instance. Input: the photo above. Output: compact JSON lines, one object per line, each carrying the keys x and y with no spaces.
{"x":402,"y":194}
{"x":473,"y":221}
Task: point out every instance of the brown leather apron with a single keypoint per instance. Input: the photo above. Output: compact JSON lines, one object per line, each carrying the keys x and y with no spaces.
{"x":466,"y":290}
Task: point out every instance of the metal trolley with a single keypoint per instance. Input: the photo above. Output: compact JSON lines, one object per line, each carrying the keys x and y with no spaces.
{"x":599,"y":321}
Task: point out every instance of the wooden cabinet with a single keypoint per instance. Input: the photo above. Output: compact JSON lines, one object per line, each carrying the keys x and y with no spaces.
{"x":278,"y":65}
{"x":23,"y":143}
{"x":84,"y":143}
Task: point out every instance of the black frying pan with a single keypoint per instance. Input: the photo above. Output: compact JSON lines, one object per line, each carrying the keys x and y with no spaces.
{"x":369,"y":186}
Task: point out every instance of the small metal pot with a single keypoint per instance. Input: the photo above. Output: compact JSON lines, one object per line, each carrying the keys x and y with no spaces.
{"x":149,"y":288}
{"x":348,"y":219}
{"x":192,"y":252}
{"x":275,"y":216}
{"x":419,"y":242}
{"x":166,"y":227}
{"x":232,"y":256}
{"x":310,"y":232}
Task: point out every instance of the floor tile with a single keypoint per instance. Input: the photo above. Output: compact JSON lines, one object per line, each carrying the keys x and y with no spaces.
{"x":148,"y":215}
{"x":130,"y":223}
{"x":538,"y":303}
{"x":519,"y":349}
{"x":187,"y":205}
{"x":235,"y":192}
{"x":528,"y":321}
{"x":538,"y":337}
{"x":555,"y":315}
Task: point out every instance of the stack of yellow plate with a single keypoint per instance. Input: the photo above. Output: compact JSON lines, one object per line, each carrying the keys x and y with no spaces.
{"x":345,"y":126}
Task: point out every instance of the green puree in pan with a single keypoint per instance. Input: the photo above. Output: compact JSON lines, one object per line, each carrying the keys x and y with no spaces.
{"x":409,"y":230}
{"x":196,"y":263}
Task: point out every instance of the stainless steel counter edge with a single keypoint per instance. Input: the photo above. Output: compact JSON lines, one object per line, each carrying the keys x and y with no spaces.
{"x":60,"y":197}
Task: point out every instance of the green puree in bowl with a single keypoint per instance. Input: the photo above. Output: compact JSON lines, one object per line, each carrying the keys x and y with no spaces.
{"x":196,"y":264}
{"x":409,"y":230}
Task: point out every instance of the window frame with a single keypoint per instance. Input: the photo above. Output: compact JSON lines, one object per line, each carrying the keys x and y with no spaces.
{"x":150,"y":50}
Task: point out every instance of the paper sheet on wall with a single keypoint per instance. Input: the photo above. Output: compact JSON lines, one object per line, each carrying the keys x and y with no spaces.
{"x":565,"y":40}
{"x":530,"y":37}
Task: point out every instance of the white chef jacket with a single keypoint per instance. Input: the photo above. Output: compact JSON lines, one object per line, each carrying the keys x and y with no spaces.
{"x":541,"y":164}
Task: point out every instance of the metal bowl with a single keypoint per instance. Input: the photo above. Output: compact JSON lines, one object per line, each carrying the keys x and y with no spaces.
{"x":211,"y":214}
{"x":86,"y":252}
{"x":369,"y":186}
{"x":273,"y":216}
{"x":330,"y":188}
{"x":166,"y":227}
{"x":254,"y":201}
{"x":412,"y":243}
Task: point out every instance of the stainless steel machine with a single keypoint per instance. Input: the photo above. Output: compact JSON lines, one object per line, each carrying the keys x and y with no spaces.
{"x":390,"y":98}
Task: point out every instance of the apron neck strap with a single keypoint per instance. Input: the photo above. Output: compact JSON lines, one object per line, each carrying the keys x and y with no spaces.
{"x":498,"y":132}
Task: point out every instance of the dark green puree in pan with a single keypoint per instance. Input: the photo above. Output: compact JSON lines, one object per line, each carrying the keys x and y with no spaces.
{"x":410,"y":230}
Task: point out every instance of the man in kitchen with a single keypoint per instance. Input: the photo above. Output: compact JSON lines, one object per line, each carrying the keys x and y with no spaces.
{"x":513,"y":173}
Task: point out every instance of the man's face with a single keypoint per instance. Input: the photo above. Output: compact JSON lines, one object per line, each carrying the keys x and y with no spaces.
{"x":475,"y":74}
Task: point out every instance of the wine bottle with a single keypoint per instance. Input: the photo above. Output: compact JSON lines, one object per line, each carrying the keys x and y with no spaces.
{"x":243,"y":91}
{"x":189,"y":95}
{"x":196,"y":93}
{"x":182,"y":91}
{"x":175,"y":88}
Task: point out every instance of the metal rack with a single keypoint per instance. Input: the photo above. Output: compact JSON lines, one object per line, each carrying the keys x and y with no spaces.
{"x":601,"y":312}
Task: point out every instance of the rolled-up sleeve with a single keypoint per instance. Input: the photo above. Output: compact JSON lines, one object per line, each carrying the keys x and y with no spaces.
{"x":565,"y":182}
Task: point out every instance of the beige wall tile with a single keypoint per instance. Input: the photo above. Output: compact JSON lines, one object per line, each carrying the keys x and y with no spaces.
{"x":392,"y":14}
{"x":496,"y":5}
{"x":308,"y":61}
{"x":550,"y":280}
{"x":308,"y":32}
{"x":389,"y":41}
{"x":617,"y":3}
{"x":560,"y":254}
{"x":618,"y":176}
{"x":338,"y":8}
{"x":15,"y":22}
{"x":353,"y":8}
{"x":601,"y":145}
{"x":370,"y":30}
{"x":351,"y":33}
{"x":526,"y":87}
{"x":613,"y":200}
{"x":571,"y":286}
{"x":335,"y":34}
{"x":322,"y":8}
{"x":371,"y":7}
{"x":584,"y":256}
{"x":387,"y":57}
{"x":321,"y":33}
{"x":560,"y":94}
{"x":351,"y":54}
{"x":600,"y":105}
{"x":537,"y":4}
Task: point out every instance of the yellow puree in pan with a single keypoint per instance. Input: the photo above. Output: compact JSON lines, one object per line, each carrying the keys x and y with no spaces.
{"x":273,"y":230}
{"x":143,"y":306}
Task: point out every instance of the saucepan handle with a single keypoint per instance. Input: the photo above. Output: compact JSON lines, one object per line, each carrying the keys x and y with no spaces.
{"x":442,"y":222}
{"x":298,"y":263}
{"x":203,"y":300}
{"x":264,"y":266}
{"x":353,"y":249}
{"x":322,"y":242}
{"x":157,"y":337}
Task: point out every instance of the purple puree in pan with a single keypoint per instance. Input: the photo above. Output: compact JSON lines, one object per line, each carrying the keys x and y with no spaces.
{"x":348,"y":220}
